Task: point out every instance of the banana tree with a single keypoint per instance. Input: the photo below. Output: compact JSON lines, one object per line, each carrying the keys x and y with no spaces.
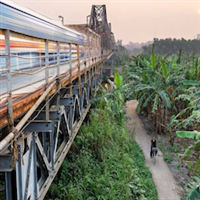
{"x":193,"y":191}
{"x":114,"y":100}
{"x":151,"y":79}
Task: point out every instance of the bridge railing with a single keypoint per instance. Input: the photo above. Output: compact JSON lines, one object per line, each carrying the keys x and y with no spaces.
{"x":48,"y":75}
{"x":26,"y":89}
{"x":28,"y":63}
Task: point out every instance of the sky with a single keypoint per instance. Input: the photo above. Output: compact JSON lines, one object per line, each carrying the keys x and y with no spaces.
{"x":132,"y":20}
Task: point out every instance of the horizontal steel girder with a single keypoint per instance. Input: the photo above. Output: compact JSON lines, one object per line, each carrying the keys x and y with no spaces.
{"x":66,"y":101}
{"x":6,"y":163}
{"x":53,"y":115}
{"x":40,"y":126}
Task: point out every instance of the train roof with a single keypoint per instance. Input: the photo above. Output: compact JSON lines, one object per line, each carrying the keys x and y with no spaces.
{"x":26,"y":21}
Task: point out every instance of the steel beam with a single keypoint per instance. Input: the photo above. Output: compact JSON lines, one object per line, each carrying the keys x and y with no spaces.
{"x":47,"y":76}
{"x":8,"y":180}
{"x":6,"y":163}
{"x":28,"y":172}
{"x":52,"y":175}
{"x":9,"y":81}
{"x":70,"y":65}
{"x":66,"y":101}
{"x":58,"y":75}
{"x":79,"y":69}
{"x":35,"y":190}
{"x":40,"y":126}
{"x":53,"y":115}
{"x":43,"y":154}
{"x":19,"y":174}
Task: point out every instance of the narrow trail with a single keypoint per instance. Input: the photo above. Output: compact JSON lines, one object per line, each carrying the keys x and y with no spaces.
{"x":166,"y":185}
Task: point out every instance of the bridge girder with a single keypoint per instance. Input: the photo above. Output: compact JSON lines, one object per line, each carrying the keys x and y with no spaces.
{"x":99,"y":23}
{"x":43,"y":144}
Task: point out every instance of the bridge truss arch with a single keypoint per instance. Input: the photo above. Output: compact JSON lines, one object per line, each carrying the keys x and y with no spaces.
{"x":48,"y":80}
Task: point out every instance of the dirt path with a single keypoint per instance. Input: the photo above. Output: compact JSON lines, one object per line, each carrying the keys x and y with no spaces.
{"x":166,"y":185}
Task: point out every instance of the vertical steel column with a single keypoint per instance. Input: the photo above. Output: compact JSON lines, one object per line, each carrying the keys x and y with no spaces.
{"x":58,"y":75}
{"x":85,"y":58}
{"x":71,"y":110}
{"x":44,"y":141}
{"x":52,"y":149}
{"x":89,"y":54}
{"x":70,"y":65}
{"x":92,"y":47}
{"x":35,"y":194}
{"x":92,"y":67}
{"x":19,"y":172}
{"x":28,"y":171}
{"x":95,"y":59}
{"x":9,"y":81}
{"x":47,"y":76}
{"x":71,"y":94}
{"x":96,"y":38}
{"x":79,"y":69}
{"x":101,"y":44}
{"x":95,"y":72}
{"x":8,"y":180}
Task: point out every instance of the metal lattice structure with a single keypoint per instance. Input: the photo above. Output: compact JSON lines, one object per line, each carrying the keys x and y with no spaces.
{"x":45,"y":99}
{"x":99,"y":23}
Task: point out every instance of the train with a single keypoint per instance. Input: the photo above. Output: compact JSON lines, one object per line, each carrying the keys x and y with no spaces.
{"x":27,"y":53}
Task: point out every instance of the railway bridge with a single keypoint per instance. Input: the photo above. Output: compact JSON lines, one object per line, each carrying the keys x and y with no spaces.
{"x":48,"y":74}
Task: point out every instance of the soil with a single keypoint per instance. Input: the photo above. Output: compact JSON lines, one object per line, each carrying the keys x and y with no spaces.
{"x":166,"y":184}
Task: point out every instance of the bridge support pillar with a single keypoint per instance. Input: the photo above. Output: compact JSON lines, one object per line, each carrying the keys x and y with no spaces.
{"x":8,"y":179}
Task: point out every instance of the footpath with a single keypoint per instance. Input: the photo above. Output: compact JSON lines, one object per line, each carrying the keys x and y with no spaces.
{"x":166,"y":185}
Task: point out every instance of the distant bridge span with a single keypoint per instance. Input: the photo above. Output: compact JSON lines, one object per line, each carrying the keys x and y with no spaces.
{"x":48,"y":75}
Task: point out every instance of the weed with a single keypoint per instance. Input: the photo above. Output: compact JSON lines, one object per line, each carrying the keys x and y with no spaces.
{"x":168,"y":158}
{"x":109,"y":165}
{"x":174,"y":149}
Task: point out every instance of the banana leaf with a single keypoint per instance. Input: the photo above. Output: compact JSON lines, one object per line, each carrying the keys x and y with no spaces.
{"x":188,"y":134}
{"x":164,"y":69}
{"x":118,"y":80}
{"x":191,"y":83}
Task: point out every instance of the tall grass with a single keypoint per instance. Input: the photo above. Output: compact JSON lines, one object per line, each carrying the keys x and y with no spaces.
{"x":104,"y":163}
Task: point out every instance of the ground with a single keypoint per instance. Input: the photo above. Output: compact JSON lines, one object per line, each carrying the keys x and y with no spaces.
{"x":167,"y":187}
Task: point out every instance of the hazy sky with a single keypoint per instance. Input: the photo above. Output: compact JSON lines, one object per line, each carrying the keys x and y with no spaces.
{"x":136,"y":21}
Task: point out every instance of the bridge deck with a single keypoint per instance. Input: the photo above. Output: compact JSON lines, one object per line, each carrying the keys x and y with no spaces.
{"x":42,"y":108}
{"x":28,"y":86}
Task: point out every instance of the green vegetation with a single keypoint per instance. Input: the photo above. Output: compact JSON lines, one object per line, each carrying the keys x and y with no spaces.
{"x":167,"y":89}
{"x":121,"y":56}
{"x":193,"y":190}
{"x":167,"y":154}
{"x":105,"y":161}
{"x":172,"y":46}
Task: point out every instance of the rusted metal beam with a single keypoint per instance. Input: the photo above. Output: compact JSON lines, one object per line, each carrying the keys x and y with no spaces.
{"x":15,"y":130}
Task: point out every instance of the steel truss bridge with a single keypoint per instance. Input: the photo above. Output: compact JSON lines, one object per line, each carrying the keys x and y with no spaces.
{"x":48,"y":74}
